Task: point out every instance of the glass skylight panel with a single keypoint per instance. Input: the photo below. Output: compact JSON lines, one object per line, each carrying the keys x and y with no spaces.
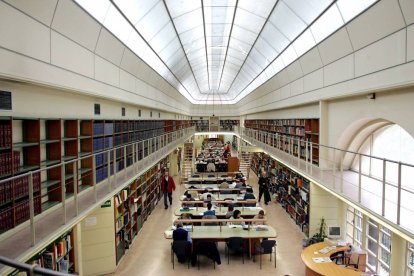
{"x":265,"y":49}
{"x":329,"y":22}
{"x":188,"y":21}
{"x":351,"y":8}
{"x":97,"y":11}
{"x":259,"y":59}
{"x":308,"y":10}
{"x":259,"y":7}
{"x":226,"y":3}
{"x":249,"y":21}
{"x":134,"y":10}
{"x":177,"y":8}
{"x":288,"y":56}
{"x":153,"y":21}
{"x":286,"y":21}
{"x":170,"y":49}
{"x":161,"y":39}
{"x":274,"y":37}
{"x":243,"y":34}
{"x":304,"y":42}
{"x":117,"y":24}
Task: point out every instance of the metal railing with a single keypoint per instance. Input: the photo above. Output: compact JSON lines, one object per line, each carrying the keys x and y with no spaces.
{"x":77,"y":190}
{"x":31,"y":270}
{"x":388,"y":196}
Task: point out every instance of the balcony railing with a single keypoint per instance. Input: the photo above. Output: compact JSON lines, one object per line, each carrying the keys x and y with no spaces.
{"x":389,"y":200}
{"x":77,"y":192}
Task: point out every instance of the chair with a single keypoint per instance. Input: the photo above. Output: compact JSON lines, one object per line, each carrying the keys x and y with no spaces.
{"x":352,"y":260}
{"x":207,"y":217}
{"x":195,"y":176}
{"x":208,"y":249}
{"x":338,"y":257}
{"x":266,"y":247}
{"x":183,"y":251}
{"x":250,"y":203}
{"x":211,"y":175}
{"x":236,"y":245}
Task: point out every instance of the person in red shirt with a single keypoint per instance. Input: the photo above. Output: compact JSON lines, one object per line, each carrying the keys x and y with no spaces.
{"x":167,"y":187}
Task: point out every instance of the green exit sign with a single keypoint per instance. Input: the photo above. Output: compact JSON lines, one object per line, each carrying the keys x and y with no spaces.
{"x":106,"y":204}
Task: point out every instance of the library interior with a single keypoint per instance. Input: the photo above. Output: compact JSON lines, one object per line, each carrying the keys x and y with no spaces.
{"x":184,"y":137}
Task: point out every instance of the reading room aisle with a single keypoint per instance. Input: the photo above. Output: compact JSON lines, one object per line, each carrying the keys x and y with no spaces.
{"x":150,"y":252}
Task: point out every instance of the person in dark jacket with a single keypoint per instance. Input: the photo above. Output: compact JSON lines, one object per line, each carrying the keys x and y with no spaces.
{"x":263,"y":189}
{"x":180,"y":234}
{"x":167,"y":187}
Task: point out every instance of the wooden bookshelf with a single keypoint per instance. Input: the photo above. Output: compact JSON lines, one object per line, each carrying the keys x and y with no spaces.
{"x":28,"y":144}
{"x":133,"y":205}
{"x":306,"y":130}
{"x":57,"y":256}
{"x":201,"y":125}
{"x":229,"y":124}
{"x":291,"y":189}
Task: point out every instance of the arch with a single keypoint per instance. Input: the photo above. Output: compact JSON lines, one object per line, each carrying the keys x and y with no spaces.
{"x":356,"y":134}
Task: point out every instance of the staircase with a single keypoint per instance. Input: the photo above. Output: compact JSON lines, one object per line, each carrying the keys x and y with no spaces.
{"x":245,"y":158}
{"x":187,"y":164}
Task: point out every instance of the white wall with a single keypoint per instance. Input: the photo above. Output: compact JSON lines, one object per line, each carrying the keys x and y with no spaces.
{"x":323,"y":205}
{"x":36,"y":101}
{"x":346,"y":116}
{"x":373,"y":52}
{"x":98,"y":242}
{"x":304,"y":111}
{"x":56,"y":43}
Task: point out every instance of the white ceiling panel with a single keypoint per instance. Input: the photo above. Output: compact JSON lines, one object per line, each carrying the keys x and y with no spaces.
{"x":229,"y":48}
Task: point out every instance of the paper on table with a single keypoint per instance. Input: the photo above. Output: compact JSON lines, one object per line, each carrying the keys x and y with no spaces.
{"x":322,"y":260}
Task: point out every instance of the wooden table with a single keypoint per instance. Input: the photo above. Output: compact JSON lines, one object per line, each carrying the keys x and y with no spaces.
{"x":195,"y":212}
{"x":221,"y":233}
{"x":328,"y":269}
{"x":221,"y":197}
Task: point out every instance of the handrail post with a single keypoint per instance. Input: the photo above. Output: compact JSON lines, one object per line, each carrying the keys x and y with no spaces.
{"x":359,"y":178}
{"x":94,"y":178}
{"x":114,"y":167}
{"x":306,"y":154}
{"x":75,"y":187}
{"x":63,"y":190}
{"x":298,"y":151}
{"x":31,"y":210}
{"x":109,"y":170}
{"x":399,"y":194}
{"x":125,"y":162}
{"x":384,"y":175}
{"x":334,"y":168}
{"x":342,"y":170}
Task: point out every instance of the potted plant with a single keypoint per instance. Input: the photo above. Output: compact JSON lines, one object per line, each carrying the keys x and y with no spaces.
{"x":321,"y":234}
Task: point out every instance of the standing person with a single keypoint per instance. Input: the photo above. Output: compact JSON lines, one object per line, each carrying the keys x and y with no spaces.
{"x":167,"y":187}
{"x":263,"y":181}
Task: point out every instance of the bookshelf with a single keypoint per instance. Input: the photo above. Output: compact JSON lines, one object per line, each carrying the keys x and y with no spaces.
{"x":228,"y":124}
{"x":201,"y":125}
{"x":58,"y":256}
{"x":28,"y":144}
{"x":134,"y":204}
{"x":302,"y":129}
{"x":291,"y":189}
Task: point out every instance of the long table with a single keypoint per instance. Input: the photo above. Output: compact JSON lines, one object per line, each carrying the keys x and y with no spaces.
{"x":234,"y":197}
{"x":197,"y":212}
{"x":327,"y":269}
{"x":221,"y":233}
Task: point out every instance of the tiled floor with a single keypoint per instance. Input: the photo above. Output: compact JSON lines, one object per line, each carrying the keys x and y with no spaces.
{"x":150,"y":252}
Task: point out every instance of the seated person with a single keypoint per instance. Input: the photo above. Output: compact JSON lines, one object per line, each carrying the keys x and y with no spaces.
{"x":209,"y":212}
{"x":180,"y":234}
{"x":229,"y":211}
{"x":236,"y":216}
{"x":240,"y":185}
{"x":249,"y":194}
{"x":260,"y":215}
{"x":207,"y":196}
{"x":211,"y":167}
{"x":223,"y":185}
{"x":188,"y":197}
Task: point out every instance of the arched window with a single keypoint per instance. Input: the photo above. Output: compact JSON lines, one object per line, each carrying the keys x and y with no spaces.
{"x":393,"y":143}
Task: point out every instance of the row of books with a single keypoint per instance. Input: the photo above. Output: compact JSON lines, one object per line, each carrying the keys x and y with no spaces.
{"x":22,"y":211}
{"x":56,"y":258}
{"x":21,"y":185}
{"x":102,"y":143}
{"x":5,"y":136}
{"x":121,"y":197}
{"x":9,"y":162}
{"x":102,"y":173}
{"x":6,"y":219}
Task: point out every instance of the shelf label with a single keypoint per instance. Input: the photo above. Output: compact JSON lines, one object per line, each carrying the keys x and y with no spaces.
{"x":90,"y":221}
{"x":106,"y":204}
